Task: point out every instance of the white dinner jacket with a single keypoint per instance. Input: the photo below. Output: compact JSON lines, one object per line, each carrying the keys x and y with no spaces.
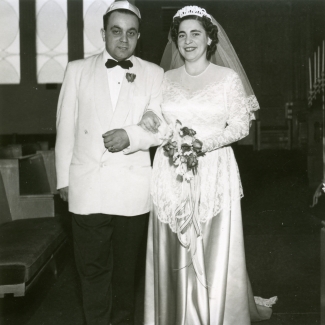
{"x":100,"y":181}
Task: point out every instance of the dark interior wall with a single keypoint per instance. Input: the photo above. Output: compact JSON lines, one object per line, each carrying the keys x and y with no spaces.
{"x":30,"y":108}
{"x":272,"y":38}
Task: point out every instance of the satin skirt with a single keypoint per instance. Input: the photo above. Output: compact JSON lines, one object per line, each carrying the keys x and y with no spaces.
{"x":175,"y":295}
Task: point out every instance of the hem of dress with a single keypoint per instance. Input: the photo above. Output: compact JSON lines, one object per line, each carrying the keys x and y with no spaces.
{"x":266,"y":302}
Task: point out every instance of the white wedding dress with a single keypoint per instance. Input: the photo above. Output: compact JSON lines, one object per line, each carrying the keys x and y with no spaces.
{"x":215,"y":106}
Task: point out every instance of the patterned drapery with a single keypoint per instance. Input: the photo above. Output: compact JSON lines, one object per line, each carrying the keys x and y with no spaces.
{"x":51,"y":40}
{"x":9,"y":42}
{"x":93,"y":11}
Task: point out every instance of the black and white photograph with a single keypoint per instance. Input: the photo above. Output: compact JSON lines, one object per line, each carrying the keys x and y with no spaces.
{"x":162,"y":162}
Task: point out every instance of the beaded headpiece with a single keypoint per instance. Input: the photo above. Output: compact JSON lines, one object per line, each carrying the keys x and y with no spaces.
{"x":191,"y":10}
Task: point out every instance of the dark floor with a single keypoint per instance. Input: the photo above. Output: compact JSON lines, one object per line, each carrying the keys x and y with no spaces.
{"x":282,"y":238}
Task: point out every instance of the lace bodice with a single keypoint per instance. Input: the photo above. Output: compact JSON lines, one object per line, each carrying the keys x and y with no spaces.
{"x":215,"y":105}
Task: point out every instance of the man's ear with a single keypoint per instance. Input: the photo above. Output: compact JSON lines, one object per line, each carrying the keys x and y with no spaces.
{"x":102,"y":31}
{"x":138,"y":35}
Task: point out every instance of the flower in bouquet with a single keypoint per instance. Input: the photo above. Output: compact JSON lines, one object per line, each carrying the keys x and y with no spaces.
{"x":181,"y":145}
{"x":186,"y":131}
{"x":197,"y":147}
{"x":192,"y":161}
{"x":170,"y":148}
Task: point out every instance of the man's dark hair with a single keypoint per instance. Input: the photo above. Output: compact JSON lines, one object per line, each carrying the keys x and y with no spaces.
{"x":209,"y":27}
{"x":123,"y":11}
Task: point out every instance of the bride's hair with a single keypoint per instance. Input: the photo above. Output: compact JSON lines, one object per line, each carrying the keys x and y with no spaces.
{"x":210,"y":29}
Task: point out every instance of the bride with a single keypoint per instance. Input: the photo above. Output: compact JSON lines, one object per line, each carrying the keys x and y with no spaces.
{"x":196,"y":270}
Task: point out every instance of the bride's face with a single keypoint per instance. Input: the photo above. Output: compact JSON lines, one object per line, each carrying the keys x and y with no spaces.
{"x":192,"y":40}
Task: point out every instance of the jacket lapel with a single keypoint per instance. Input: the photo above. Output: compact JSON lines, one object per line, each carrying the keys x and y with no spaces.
{"x":125,"y":99}
{"x":102,"y":96}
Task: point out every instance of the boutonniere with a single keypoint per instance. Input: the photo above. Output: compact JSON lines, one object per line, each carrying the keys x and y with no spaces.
{"x":130,"y":77}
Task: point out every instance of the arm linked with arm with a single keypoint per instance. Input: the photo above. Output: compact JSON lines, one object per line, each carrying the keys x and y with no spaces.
{"x":238,"y":118}
{"x":139,"y":138}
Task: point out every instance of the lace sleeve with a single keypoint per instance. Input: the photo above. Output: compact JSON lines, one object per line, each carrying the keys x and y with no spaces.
{"x":238,"y":117}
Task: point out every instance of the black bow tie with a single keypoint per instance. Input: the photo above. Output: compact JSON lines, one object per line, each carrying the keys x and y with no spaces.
{"x":123,"y":64}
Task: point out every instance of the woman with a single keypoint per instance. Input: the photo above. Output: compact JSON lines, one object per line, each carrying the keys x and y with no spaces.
{"x":196,"y":271}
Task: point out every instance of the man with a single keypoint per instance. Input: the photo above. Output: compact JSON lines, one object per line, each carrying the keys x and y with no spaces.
{"x":105,"y":181}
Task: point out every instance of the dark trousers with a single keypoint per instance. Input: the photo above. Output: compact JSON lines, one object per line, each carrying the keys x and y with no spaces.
{"x":107,"y":251}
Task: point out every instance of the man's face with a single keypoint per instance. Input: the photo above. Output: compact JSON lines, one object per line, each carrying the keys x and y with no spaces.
{"x":121,"y":35}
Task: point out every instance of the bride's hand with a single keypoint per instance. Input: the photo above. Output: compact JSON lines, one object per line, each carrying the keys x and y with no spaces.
{"x":150,"y":122}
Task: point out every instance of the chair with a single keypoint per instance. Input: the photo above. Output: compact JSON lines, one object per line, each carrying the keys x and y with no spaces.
{"x":30,"y":235}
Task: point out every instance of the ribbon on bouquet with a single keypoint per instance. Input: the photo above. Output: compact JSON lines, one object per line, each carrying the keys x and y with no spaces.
{"x":188,"y":226}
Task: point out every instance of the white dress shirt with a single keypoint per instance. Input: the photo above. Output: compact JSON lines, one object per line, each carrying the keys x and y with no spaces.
{"x":115,"y":78}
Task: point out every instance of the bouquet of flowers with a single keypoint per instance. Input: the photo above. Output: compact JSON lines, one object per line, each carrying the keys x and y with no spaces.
{"x":181,"y":145}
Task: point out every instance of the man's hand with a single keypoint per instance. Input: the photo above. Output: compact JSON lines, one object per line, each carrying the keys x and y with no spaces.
{"x":150,"y":122}
{"x":116,"y":140}
{"x":64,"y":193}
